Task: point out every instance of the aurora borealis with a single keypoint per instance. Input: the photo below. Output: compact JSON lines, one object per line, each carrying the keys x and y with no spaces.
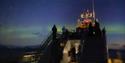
{"x":28,"y":22}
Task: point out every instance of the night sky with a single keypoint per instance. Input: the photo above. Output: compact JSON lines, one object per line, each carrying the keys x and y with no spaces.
{"x":28,"y":22}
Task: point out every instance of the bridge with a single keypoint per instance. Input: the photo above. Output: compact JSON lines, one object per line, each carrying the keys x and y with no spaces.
{"x":85,"y":45}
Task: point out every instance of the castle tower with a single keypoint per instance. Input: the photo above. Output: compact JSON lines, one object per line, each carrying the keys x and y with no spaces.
{"x":94,"y":47}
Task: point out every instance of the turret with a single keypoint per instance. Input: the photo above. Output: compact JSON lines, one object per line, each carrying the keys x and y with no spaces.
{"x":54,"y":32}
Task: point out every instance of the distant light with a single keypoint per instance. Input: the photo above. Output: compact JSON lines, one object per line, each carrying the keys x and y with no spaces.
{"x":82,"y":16}
{"x":62,"y":44}
{"x":94,"y":33}
{"x":109,"y":60}
{"x":28,"y":55}
{"x":117,"y":61}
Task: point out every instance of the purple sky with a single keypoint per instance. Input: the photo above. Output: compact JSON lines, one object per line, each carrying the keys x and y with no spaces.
{"x":26,"y":22}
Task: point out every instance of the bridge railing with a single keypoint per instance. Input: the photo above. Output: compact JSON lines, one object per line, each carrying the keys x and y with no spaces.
{"x":46,"y":41}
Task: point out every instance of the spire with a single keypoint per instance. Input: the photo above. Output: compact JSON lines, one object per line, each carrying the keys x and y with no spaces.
{"x":93,"y":8}
{"x":54,"y":29}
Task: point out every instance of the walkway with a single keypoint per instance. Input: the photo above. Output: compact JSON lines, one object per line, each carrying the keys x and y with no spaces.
{"x":67,"y":48}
